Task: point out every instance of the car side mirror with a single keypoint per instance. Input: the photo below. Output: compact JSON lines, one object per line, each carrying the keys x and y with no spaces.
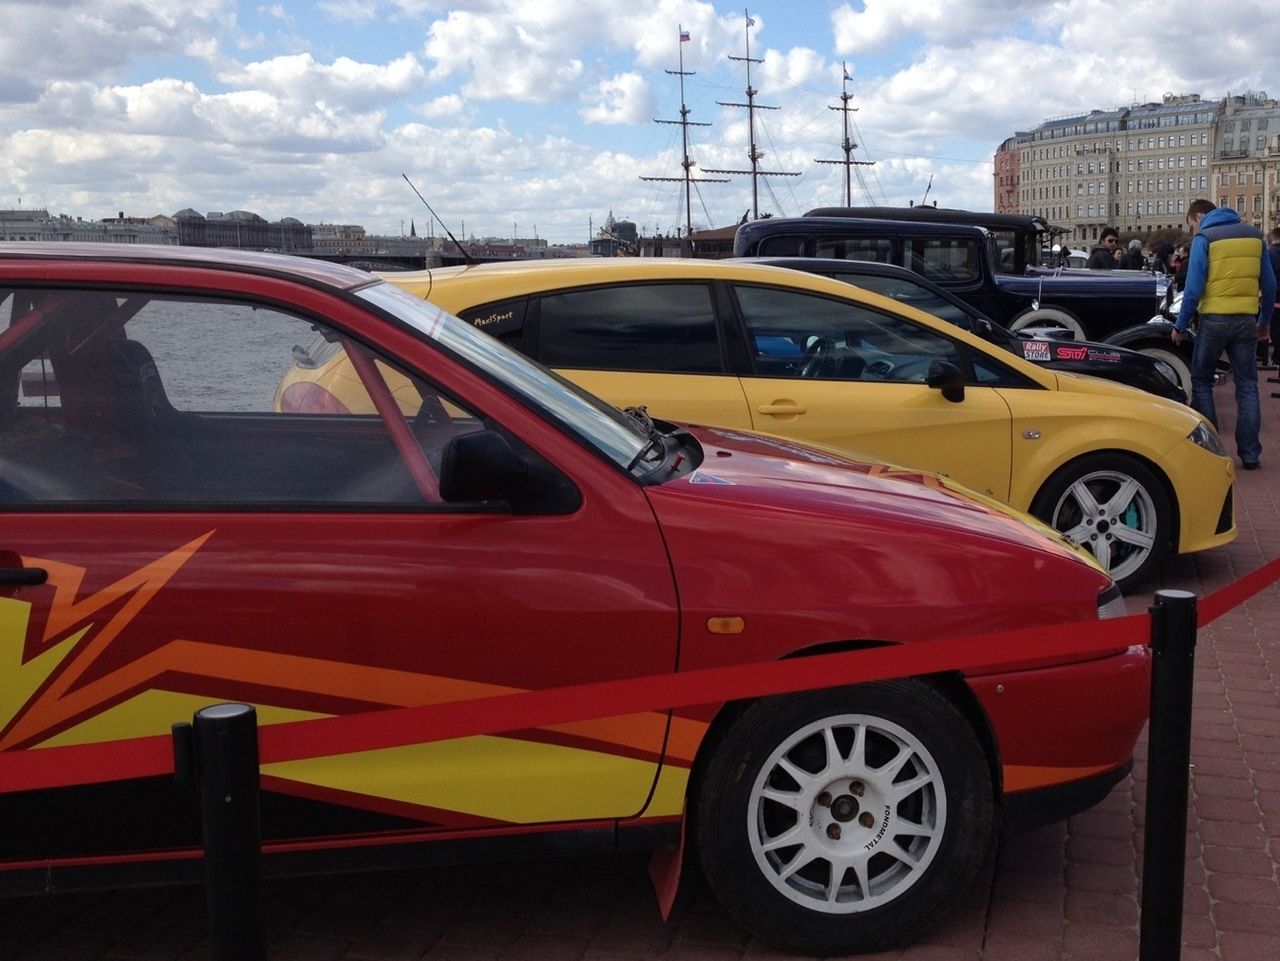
{"x":947,"y":377}
{"x":481,"y":466}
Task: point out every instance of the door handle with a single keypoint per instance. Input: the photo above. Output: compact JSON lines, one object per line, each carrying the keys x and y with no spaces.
{"x":23,"y":576}
{"x":786,"y":408}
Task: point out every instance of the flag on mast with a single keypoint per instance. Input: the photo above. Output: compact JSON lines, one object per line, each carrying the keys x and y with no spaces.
{"x":684,"y":36}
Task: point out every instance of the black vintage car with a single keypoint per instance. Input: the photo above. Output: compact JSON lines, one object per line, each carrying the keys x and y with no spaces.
{"x":966,"y":260}
{"x":1078,"y":357}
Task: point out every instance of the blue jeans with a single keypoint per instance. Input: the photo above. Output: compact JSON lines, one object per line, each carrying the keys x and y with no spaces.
{"x":1237,"y":335}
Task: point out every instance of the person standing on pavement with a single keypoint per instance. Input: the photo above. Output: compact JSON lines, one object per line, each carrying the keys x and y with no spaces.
{"x":1266,"y":348}
{"x":1231,"y":289}
{"x":1134,"y":260}
{"x":1104,"y":255}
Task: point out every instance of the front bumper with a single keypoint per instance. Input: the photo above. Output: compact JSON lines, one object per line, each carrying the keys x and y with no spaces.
{"x":1066,"y":725}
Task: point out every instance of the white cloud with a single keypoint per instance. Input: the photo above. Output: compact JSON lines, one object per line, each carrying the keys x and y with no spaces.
{"x":625,"y":98}
{"x":345,"y":82}
{"x":506,"y":58}
{"x":77,"y":39}
{"x":883,"y":22}
{"x":450,"y":105}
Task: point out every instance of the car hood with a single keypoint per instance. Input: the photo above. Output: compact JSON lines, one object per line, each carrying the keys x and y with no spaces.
{"x":1166,"y":414}
{"x":769,"y":472}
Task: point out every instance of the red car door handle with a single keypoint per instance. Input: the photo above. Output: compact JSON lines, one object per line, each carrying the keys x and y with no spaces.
{"x":23,"y":576}
{"x":781,"y":408}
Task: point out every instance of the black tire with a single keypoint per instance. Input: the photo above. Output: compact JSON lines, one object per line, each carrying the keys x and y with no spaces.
{"x":1086,"y":498}
{"x":745,"y":801}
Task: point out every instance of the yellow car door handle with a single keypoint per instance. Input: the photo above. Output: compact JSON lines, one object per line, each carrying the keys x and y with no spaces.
{"x":787,"y":408}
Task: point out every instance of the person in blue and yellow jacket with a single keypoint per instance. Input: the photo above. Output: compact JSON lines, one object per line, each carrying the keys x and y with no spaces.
{"x":1231,"y":289}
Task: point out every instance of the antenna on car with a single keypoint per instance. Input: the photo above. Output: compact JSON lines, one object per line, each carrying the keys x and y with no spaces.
{"x":471,"y":261}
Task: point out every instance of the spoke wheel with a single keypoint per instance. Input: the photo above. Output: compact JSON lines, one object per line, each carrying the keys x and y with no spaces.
{"x":844,"y":820}
{"x":847,"y":813}
{"x":1115,"y":508}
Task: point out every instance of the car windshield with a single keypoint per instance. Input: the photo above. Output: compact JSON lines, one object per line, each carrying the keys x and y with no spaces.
{"x":606,"y":428}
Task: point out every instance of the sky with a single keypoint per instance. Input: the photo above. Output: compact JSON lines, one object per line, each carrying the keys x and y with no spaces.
{"x":536,"y":117}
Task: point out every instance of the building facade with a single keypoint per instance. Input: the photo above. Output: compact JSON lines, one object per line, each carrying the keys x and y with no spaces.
{"x":1006,"y":174}
{"x":1137,"y":168}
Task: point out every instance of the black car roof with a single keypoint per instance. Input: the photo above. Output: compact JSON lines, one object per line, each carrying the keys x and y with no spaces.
{"x":814,"y":226}
{"x":306,"y":269}
{"x":941,"y":215}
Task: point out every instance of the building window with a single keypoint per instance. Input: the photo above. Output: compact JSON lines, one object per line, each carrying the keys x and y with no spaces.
{"x":1240,"y":202}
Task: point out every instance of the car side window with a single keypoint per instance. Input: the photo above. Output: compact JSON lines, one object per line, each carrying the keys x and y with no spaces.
{"x":876,"y":250}
{"x":135,"y":401}
{"x":943,"y":258}
{"x":659,"y":327}
{"x":912,"y":294}
{"x":503,"y":320}
{"x":795,"y":334}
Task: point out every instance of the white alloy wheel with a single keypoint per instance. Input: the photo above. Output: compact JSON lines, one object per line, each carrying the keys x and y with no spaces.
{"x":1113,"y":506}
{"x":847,"y":813}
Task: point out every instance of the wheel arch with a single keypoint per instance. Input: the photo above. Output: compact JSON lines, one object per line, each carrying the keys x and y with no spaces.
{"x":950,"y":684}
{"x":1052,"y":314}
{"x":1166,"y":485}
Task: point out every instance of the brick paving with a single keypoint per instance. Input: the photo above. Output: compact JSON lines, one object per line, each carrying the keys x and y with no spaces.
{"x":1069,"y":892}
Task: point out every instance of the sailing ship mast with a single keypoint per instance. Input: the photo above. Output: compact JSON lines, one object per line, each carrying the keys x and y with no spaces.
{"x":685,"y":123}
{"x":848,"y":145}
{"x":752,"y":151}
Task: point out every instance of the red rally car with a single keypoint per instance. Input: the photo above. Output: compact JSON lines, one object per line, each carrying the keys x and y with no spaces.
{"x":171,"y":538}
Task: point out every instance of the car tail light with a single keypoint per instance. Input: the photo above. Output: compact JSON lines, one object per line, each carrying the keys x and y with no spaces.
{"x":1111,"y":603}
{"x":308,"y":398}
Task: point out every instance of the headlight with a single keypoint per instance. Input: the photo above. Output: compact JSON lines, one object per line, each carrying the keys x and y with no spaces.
{"x":1205,"y":436}
{"x":1168,"y":372}
{"x":1111,"y":603}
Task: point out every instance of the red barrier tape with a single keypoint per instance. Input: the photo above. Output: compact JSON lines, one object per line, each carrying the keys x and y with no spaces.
{"x":1236,"y":593}
{"x":374,"y":730}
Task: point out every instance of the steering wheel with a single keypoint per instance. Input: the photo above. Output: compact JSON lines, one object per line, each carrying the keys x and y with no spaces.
{"x":819,"y":358}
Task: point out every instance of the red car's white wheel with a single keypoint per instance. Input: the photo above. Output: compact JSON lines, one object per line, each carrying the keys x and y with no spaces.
{"x":845,"y":820}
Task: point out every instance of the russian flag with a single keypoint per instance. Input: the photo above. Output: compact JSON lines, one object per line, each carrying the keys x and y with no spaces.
{"x":684,"y":36}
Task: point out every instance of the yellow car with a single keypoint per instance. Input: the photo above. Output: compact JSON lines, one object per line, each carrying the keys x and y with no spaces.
{"x":1128,"y":475}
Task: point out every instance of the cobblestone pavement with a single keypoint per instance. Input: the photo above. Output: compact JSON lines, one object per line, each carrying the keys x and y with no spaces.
{"x":1065,"y":892}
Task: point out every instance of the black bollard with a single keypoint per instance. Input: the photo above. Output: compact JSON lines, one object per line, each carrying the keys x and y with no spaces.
{"x":226,"y":760}
{"x":1173,"y":646}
